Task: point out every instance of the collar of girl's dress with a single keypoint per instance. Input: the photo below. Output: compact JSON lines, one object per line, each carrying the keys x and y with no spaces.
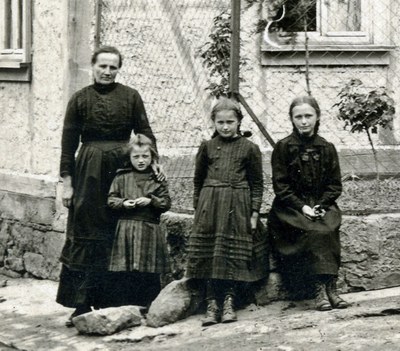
{"x":104,"y":88}
{"x":229,"y":140}
{"x":305,"y":139}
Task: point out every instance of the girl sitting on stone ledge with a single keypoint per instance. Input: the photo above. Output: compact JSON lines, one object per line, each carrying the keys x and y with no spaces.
{"x":304,"y":219}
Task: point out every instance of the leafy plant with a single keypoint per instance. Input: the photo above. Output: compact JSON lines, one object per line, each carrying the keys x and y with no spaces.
{"x":215,"y":54}
{"x":365,"y":111}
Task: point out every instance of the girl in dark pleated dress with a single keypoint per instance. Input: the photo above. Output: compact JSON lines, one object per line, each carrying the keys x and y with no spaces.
{"x":304,"y":219}
{"x":227,"y":244}
{"x":139,"y":251}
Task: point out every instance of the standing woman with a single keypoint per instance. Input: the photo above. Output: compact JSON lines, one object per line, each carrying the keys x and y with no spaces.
{"x":101,"y":116}
{"x":304,"y":220}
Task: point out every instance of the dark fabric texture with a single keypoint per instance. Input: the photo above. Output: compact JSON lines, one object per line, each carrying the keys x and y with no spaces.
{"x":305,"y":171}
{"x":105,"y":289}
{"x":106,"y":113}
{"x":140,"y":241}
{"x":228,"y":188}
{"x":102,"y":118}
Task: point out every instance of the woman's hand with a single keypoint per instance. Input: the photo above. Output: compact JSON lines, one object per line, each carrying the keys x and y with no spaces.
{"x":129,"y":204}
{"x":309,"y":213}
{"x":67,"y":192}
{"x":142,"y":201}
{"x":158,"y":171}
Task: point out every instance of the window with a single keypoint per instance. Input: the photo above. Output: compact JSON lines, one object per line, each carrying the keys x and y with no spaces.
{"x":15,"y":39}
{"x":331,"y":25}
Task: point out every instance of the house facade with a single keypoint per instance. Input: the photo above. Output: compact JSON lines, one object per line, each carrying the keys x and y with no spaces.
{"x":45,"y":57}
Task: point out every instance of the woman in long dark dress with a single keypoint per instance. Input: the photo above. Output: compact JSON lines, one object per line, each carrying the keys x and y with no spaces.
{"x":304,"y":220}
{"x":101,"y":116}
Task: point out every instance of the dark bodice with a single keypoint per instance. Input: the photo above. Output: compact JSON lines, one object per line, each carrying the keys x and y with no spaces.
{"x":229,"y":162}
{"x":305,"y":171}
{"x":101,"y":113}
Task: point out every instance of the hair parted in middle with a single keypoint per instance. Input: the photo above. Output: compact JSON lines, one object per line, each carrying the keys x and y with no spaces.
{"x":106,"y":50}
{"x":223,"y":104}
{"x":309,"y":100}
{"x":142,"y":140}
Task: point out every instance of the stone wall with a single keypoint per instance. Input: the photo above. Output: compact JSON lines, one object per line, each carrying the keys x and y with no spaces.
{"x":161,"y":60}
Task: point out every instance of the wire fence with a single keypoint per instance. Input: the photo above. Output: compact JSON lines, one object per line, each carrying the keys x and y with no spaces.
{"x":287,"y":48}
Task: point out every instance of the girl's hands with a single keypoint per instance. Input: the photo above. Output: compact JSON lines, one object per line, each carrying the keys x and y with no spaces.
{"x":139,"y":202}
{"x":313,"y":213}
{"x":67,"y":192}
{"x":129,"y":204}
{"x":309,"y":212}
{"x":158,"y":171}
{"x":142,"y":201}
{"x":319,"y":212}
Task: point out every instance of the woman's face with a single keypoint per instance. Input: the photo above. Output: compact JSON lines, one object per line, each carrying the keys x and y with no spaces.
{"x":226,"y":123}
{"x":105,"y":68}
{"x":304,"y":118}
{"x":140,"y":157}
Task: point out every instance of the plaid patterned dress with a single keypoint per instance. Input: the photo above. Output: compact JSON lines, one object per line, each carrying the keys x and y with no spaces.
{"x":139,"y":242}
{"x":228,"y":187}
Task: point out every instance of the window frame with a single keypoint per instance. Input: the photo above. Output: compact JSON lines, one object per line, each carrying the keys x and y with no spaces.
{"x":15,"y":62}
{"x":371,"y":38}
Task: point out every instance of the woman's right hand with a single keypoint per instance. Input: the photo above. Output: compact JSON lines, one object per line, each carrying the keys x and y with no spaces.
{"x":68,"y":192}
{"x":309,"y":213}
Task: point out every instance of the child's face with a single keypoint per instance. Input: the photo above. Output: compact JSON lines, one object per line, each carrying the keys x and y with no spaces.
{"x":140,"y":157}
{"x":304,"y":118}
{"x":226,"y":123}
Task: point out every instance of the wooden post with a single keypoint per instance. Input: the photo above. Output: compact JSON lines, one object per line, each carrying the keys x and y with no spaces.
{"x":97,"y":34}
{"x":235,"y":48}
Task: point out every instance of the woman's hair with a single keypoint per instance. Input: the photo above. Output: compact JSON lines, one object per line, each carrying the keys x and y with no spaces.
{"x":108,"y":50}
{"x":142,"y":140}
{"x":226,"y":104}
{"x":309,"y":100}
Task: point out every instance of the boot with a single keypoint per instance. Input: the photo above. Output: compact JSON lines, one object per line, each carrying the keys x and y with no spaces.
{"x":335,"y":300}
{"x":321,"y":299}
{"x":212,"y":314}
{"x":228,"y":312}
{"x":82,"y":309}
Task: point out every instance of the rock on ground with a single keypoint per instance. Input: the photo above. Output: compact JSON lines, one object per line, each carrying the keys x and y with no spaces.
{"x":108,"y":320}
{"x":176,"y":301}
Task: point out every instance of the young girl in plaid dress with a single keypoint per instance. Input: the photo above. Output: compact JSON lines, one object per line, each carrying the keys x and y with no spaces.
{"x":139,"y":244}
{"x":227,"y":244}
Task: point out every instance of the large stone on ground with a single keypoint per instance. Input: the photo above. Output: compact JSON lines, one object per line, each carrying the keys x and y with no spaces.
{"x":176,"y":301}
{"x":108,"y":321}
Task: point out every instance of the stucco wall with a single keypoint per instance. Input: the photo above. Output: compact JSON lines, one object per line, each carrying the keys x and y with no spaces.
{"x":160,"y":44}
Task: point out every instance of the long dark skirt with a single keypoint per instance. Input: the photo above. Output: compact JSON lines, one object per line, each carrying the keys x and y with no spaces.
{"x":91,"y":224}
{"x":304,"y":246}
{"x":222,"y":245}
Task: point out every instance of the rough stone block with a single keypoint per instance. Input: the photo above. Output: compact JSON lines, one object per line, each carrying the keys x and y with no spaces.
{"x":108,"y":321}
{"x":176,"y":301}
{"x":15,"y":264}
{"x":35,"y":264}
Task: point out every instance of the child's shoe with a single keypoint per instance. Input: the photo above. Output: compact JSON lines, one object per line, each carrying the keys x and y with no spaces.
{"x":321,"y":299}
{"x":228,"y":312}
{"x":334,"y":298}
{"x":212,"y":314}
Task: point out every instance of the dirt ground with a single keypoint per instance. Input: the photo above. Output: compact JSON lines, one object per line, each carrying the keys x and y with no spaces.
{"x":31,"y":320}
